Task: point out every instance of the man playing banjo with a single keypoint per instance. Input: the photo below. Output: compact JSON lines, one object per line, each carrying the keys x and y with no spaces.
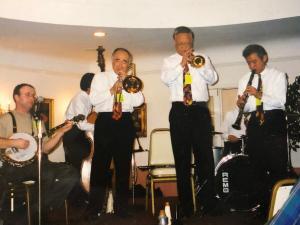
{"x":58,"y":179}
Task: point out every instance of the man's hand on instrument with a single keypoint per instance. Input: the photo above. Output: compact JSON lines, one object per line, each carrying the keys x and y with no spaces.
{"x":118,"y":84}
{"x":20,"y":143}
{"x":253,"y":91}
{"x":121,"y":75}
{"x":187,"y":57}
{"x":233,"y":138}
{"x":240,"y":101}
{"x":66,"y":127}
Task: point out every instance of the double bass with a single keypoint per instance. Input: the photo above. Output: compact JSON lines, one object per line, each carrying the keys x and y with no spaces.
{"x":86,"y":164}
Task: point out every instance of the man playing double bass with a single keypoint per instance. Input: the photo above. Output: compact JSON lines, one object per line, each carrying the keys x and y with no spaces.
{"x":76,"y":145}
{"x":267,"y":134}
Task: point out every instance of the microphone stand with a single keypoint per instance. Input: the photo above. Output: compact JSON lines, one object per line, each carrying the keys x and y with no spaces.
{"x":38,"y":122}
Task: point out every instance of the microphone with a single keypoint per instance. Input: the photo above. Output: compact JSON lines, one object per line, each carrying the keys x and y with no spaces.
{"x":37,"y":108}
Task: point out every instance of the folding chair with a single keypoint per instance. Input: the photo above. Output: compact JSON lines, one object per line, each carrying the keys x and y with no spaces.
{"x":161,"y":165}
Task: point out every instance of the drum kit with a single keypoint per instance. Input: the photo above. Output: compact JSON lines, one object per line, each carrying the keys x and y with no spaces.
{"x":234,"y":179}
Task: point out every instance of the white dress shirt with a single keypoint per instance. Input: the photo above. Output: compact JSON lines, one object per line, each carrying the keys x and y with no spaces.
{"x":172,"y":76}
{"x":227,"y":128}
{"x":80,"y":104}
{"x":274,"y":87}
{"x":103,"y":100}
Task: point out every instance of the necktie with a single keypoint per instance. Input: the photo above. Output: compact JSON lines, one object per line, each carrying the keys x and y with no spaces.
{"x":187,"y":88}
{"x":117,"y":107}
{"x":259,"y":104}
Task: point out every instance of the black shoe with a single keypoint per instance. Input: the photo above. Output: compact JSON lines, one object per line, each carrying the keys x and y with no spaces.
{"x":214,"y":209}
{"x":91,"y":216}
{"x":123,"y":213}
{"x":183,"y":214}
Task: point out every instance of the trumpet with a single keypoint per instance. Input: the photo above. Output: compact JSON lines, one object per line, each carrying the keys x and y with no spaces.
{"x":197,"y":61}
{"x":131,"y":83}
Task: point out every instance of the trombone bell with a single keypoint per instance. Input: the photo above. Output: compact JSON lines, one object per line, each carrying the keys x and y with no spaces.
{"x":132,"y":84}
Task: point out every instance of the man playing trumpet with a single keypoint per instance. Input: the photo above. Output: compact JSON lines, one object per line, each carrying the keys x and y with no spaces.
{"x":190,"y":121}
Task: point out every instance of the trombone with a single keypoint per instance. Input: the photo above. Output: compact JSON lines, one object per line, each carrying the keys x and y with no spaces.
{"x":131,"y":83}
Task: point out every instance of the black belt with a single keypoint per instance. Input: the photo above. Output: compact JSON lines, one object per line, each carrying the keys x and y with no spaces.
{"x":271,"y":112}
{"x":194,"y":103}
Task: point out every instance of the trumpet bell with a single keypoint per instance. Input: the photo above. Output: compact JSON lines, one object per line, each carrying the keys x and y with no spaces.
{"x":198,"y":61}
{"x":132,"y":84}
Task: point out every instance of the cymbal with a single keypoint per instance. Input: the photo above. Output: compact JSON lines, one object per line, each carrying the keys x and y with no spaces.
{"x":216,"y":132}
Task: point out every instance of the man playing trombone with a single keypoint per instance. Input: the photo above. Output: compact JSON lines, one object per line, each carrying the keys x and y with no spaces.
{"x":114,"y":134}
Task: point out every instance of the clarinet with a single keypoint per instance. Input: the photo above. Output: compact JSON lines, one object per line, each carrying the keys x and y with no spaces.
{"x":237,"y":123}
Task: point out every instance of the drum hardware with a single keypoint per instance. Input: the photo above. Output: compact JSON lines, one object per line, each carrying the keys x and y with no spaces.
{"x":237,"y":123}
{"x":234,"y":182}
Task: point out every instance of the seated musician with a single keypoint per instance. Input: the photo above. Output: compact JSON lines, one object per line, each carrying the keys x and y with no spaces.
{"x":231,"y":136}
{"x":58,"y":179}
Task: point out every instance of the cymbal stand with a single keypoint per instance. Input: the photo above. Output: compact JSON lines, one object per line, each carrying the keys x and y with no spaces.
{"x":243,"y":137}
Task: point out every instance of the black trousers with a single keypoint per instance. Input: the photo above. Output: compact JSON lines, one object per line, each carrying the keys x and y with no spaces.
{"x":113,"y":140}
{"x":267,"y":149}
{"x":191,"y":131}
{"x":76,"y":146}
{"x":57,"y":181}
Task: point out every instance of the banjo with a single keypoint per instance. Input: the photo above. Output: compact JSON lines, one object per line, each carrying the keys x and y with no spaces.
{"x":22,"y":157}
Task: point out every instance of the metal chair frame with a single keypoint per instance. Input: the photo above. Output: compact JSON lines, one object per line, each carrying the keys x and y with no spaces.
{"x":153,"y":178}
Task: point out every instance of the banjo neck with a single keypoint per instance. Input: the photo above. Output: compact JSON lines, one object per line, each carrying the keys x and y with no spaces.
{"x":75,"y":119}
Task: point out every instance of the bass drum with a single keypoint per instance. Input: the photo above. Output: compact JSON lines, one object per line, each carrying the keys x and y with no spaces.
{"x":235,"y":182}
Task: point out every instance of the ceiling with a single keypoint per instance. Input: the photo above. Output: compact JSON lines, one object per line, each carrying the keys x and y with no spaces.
{"x":78,"y":42}
{"x":148,"y":13}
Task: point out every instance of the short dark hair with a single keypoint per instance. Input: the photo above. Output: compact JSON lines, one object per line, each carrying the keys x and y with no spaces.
{"x":183,"y":29}
{"x":254,"y":48}
{"x":86,"y":80}
{"x":124,"y":50}
{"x":18,"y":88}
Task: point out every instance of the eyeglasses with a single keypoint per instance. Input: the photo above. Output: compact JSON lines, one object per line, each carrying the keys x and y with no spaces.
{"x":29,"y":95}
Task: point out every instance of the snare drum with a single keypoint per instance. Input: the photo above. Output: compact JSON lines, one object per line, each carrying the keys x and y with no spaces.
{"x":235,"y":182}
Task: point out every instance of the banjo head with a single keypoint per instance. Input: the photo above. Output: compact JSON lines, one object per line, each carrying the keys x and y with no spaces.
{"x":22,"y":155}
